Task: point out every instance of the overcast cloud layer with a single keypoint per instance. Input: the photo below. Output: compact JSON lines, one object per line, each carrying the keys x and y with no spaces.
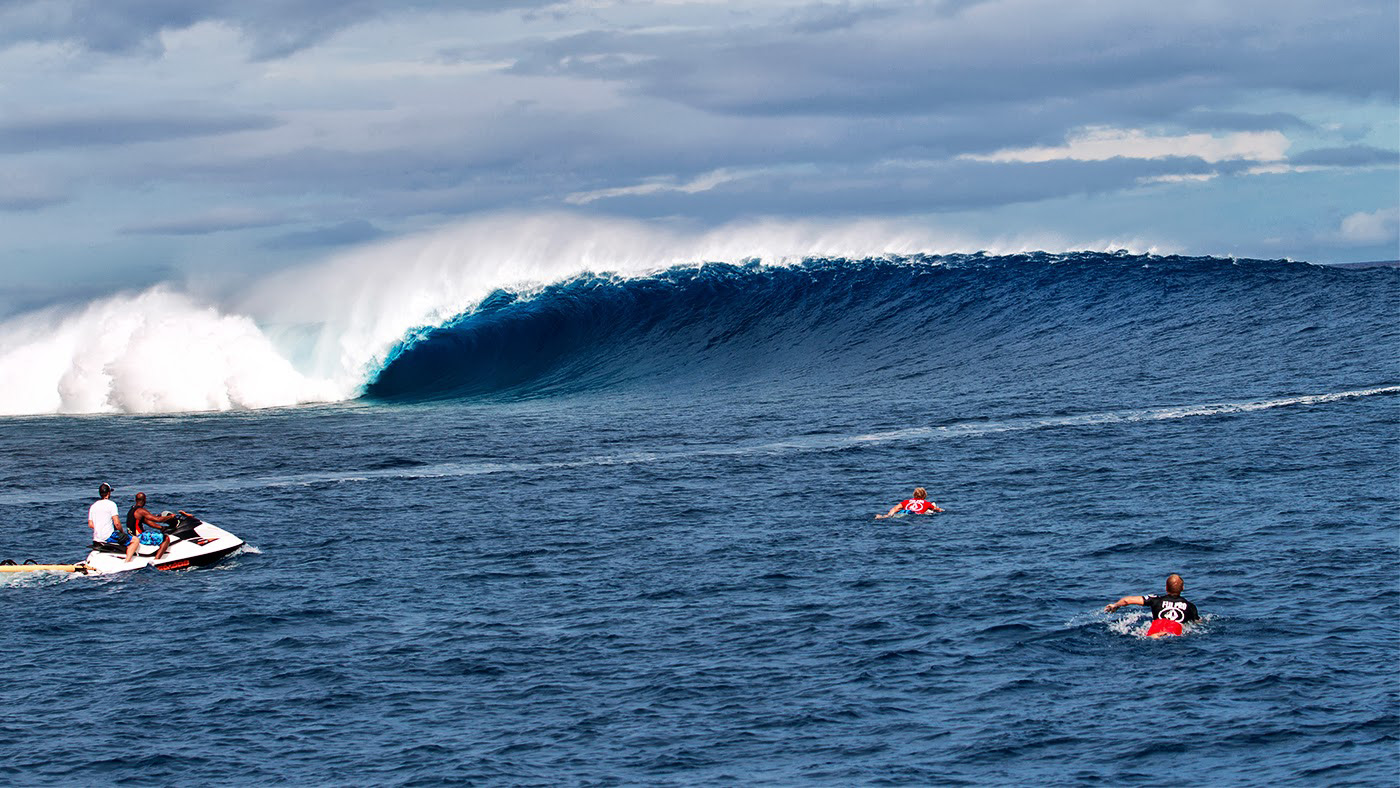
{"x":142,"y":139}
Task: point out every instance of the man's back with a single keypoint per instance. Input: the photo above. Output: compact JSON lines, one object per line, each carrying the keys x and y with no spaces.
{"x":1172,"y":607}
{"x":100,"y":516}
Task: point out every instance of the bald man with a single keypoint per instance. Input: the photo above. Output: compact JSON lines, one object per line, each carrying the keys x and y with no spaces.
{"x":1169,"y":610}
{"x":147,"y":528}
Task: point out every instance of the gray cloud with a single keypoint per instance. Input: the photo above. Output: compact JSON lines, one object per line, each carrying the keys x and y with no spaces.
{"x":824,"y":109}
{"x":932,"y":187}
{"x":344,"y":233}
{"x":909,"y":61}
{"x":1351,"y":156}
{"x":21,"y":200}
{"x":274,"y":27}
{"x":120,"y":128}
{"x":1242,"y":121}
{"x":206,"y":224}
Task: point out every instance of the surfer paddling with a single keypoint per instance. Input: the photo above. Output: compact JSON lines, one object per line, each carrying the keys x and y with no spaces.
{"x":1169,"y":610}
{"x":919,"y":504}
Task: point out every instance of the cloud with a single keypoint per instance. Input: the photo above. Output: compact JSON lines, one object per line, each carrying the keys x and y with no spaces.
{"x":1186,"y":178}
{"x":349,"y":232}
{"x":1101,"y":144}
{"x":274,"y":28}
{"x":381,"y":116}
{"x":1242,"y":121}
{"x":701,"y":183}
{"x":1376,"y":227}
{"x":215,"y":221}
{"x":21,"y":192}
{"x":1119,"y":59}
{"x":48,"y":132}
{"x":904,"y":187}
{"x":1350,"y":156}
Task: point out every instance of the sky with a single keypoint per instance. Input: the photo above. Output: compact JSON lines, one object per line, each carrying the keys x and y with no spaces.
{"x":144,"y":141}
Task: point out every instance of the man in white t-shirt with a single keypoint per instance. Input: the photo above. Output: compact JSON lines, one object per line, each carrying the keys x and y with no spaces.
{"x":102,"y":519}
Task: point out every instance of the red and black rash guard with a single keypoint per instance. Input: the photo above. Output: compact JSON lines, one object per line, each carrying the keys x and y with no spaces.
{"x":1171,"y":607}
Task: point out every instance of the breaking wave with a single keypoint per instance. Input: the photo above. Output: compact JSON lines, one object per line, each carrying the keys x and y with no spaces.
{"x":547,"y":305}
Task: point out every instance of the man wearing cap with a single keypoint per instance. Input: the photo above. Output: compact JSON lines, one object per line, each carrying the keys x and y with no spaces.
{"x":102,"y":519}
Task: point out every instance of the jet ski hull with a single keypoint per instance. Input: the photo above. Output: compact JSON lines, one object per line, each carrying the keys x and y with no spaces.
{"x":205,"y":545}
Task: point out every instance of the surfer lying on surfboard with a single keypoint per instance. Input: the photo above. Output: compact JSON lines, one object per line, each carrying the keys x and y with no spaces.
{"x":919,"y":504}
{"x":1169,"y":610}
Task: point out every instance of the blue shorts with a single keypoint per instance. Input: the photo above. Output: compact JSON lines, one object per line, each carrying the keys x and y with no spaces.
{"x":152,"y":536}
{"x":118,"y":537}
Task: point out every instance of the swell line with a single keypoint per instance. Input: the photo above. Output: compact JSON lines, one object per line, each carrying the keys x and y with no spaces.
{"x":1121,"y":417}
{"x":796,"y":445}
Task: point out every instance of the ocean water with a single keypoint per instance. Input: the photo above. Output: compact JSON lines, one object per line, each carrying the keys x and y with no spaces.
{"x":617,"y":528}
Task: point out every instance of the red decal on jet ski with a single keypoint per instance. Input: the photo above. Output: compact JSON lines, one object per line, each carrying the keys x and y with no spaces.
{"x":174,"y":565}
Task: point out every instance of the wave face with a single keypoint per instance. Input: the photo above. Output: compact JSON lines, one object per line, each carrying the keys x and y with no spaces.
{"x":1042,"y":326}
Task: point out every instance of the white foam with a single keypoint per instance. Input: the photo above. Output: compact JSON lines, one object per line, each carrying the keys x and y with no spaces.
{"x":154,"y":352}
{"x":1133,"y":623}
{"x":319,"y":333}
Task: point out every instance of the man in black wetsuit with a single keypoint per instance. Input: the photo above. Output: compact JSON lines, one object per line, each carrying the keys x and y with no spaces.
{"x":147,"y":526}
{"x":1169,"y":610}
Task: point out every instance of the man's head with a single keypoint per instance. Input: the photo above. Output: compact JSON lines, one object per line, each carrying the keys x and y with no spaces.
{"x":920,"y":493}
{"x":1175,"y":585}
{"x":140,"y":499}
{"x":103,"y":490}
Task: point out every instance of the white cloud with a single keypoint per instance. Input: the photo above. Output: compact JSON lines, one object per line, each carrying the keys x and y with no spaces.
{"x":1188,"y":178}
{"x":1375,"y":227}
{"x":1100,"y":143}
{"x":700,"y":183}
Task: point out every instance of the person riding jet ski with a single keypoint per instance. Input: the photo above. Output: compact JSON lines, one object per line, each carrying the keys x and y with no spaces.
{"x":148,"y":527}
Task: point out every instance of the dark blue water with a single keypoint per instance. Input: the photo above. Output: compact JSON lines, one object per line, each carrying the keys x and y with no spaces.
{"x":621,"y":532}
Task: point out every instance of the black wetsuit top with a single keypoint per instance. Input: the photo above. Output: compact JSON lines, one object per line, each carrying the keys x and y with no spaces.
{"x":1171,"y":607}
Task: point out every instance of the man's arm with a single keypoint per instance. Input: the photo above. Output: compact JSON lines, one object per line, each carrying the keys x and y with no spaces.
{"x":1127,"y":600}
{"x":144,"y":518}
{"x":891,"y":512}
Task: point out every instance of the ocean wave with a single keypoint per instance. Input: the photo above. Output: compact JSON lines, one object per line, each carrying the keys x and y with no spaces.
{"x":540,"y":305}
{"x":320,"y":333}
{"x":832,"y":323}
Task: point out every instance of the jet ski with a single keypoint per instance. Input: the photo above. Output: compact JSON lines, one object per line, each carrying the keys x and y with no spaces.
{"x":193,"y":543}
